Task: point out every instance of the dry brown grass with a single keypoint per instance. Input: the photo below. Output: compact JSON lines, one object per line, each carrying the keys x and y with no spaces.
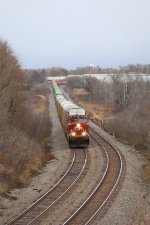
{"x":19,"y":157}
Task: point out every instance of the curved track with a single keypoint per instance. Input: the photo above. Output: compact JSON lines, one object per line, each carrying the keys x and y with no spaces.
{"x":46,"y":202}
{"x":99,"y":200}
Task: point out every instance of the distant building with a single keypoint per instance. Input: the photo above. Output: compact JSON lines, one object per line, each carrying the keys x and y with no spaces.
{"x":92,"y":65}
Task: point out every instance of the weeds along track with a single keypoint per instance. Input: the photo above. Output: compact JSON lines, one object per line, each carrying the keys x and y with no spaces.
{"x":35,"y":212}
{"x":107,"y":188}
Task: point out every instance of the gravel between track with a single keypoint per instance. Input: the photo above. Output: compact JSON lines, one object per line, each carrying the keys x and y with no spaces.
{"x":131,"y":204}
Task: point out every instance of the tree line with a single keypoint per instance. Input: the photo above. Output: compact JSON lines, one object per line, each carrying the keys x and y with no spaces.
{"x":60,"y":71}
{"x":131,"y":68}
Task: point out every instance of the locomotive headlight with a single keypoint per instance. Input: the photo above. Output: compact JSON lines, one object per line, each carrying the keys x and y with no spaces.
{"x":73,"y":133}
{"x":78,"y":125}
{"x":84,"y":133}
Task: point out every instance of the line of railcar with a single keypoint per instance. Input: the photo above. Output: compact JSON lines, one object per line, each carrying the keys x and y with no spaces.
{"x":73,"y":119}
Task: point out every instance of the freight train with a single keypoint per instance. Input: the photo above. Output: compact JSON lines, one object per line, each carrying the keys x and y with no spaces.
{"x":73,"y":119}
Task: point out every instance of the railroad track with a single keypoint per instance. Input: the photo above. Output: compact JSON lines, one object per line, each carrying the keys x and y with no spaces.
{"x":98,"y":200}
{"x":36,"y":211}
{"x":102,"y":196}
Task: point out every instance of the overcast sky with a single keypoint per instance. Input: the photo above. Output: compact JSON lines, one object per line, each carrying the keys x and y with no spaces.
{"x":72,"y":33}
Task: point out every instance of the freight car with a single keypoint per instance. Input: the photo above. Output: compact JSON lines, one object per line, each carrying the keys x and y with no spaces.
{"x":73,"y":118}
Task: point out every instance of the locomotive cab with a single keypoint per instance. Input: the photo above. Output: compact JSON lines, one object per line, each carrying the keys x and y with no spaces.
{"x":78,"y":131}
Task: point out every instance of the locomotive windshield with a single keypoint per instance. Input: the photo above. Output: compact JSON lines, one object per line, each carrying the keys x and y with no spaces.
{"x":77,"y":119}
